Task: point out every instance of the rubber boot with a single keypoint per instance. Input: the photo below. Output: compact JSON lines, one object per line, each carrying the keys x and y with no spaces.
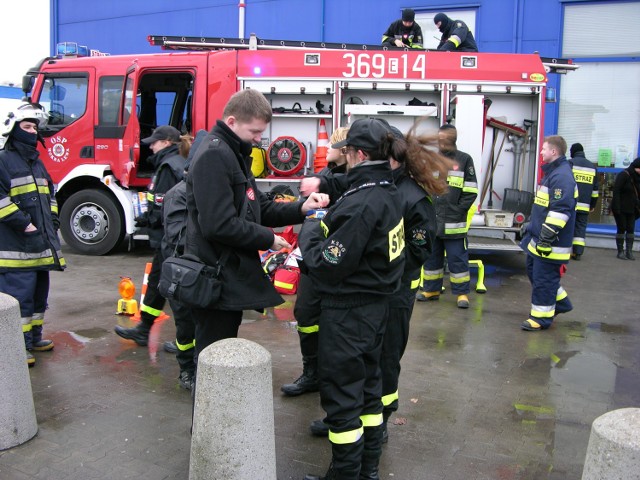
{"x":31,"y":361}
{"x":330,"y":475}
{"x":305,"y":383}
{"x":371,"y":452}
{"x":38,"y":343}
{"x":620,"y":246}
{"x":629,"y":252}
{"x":139,"y":333}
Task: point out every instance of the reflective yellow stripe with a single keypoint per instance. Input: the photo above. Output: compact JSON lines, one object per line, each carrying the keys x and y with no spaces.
{"x":460,"y":277}
{"x":149,"y":197}
{"x":44,"y":190}
{"x":152,"y":311}
{"x":186,"y":346}
{"x":14,"y":192}
{"x":54,"y":209}
{"x":278,"y":283}
{"x":26,"y":328}
{"x":6,"y":211}
{"x":455,"y":40}
{"x":389,"y":399}
{"x":433,"y":274}
{"x":455,"y":179}
{"x":23,"y":263}
{"x":325,"y":229}
{"x":371,"y":420}
{"x":311,"y":329}
{"x":562,"y":294}
{"x":37,"y":322}
{"x":542,"y":199}
{"x":543,"y":311}
{"x":415,"y":283}
{"x":555,"y":221}
{"x":352,"y":436}
{"x":579,"y":241}
{"x":557,"y":253}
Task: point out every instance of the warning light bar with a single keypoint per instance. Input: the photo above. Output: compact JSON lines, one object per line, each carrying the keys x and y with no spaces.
{"x":72,"y":49}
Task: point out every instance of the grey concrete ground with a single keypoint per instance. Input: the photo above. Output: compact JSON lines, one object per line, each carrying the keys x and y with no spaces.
{"x":480,"y":399}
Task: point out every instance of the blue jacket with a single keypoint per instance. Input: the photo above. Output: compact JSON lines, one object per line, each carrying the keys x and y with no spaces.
{"x":555,"y":205}
{"x":27,"y":195}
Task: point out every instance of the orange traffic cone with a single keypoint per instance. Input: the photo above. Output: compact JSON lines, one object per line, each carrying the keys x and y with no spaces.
{"x":320,"y":158}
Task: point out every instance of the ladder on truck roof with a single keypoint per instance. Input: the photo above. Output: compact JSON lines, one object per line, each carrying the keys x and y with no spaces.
{"x":175,"y":42}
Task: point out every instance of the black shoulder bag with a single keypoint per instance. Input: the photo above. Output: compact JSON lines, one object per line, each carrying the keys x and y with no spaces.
{"x":187,"y":280}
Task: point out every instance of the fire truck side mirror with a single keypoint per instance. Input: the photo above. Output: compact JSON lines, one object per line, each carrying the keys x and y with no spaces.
{"x":27,"y":83}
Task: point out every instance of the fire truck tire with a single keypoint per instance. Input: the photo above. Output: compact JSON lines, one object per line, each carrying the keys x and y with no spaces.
{"x":91,"y":222}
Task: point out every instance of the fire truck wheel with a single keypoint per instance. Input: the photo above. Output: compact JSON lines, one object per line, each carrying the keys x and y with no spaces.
{"x":91,"y":222}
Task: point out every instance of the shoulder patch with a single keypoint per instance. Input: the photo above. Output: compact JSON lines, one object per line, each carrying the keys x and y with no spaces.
{"x":214,"y":142}
{"x":334,"y":252}
{"x":472,"y":171}
{"x":557,"y":194}
{"x":419,"y":236}
{"x":458,"y":24}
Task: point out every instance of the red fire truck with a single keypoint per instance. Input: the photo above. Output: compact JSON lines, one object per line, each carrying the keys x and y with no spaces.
{"x":101,"y":106}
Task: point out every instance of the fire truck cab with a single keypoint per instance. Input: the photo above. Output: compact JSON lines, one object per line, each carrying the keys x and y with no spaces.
{"x":101,"y":106}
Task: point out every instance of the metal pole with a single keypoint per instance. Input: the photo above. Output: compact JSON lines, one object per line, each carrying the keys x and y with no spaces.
{"x":241,"y":6}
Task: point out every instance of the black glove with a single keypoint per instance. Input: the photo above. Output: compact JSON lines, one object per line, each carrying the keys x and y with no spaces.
{"x":56,"y":223}
{"x":523,"y":229}
{"x":548,"y":235}
{"x":142,"y":221}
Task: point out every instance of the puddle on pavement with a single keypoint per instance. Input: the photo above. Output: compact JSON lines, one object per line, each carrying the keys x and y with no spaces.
{"x":609,"y":328}
{"x":90,"y":333}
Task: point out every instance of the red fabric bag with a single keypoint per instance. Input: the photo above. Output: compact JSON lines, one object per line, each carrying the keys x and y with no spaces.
{"x":286,"y":280}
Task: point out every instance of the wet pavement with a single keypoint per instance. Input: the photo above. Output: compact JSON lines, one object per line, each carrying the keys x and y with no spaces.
{"x":479,"y":398}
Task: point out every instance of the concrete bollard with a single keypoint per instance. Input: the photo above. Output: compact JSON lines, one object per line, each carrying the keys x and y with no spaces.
{"x":614,"y":446}
{"x":17,"y":413}
{"x":233,"y":428}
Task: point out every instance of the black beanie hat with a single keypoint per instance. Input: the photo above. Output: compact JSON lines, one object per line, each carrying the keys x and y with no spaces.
{"x":408,"y":15}
{"x":575,"y":148}
{"x":441,"y":17}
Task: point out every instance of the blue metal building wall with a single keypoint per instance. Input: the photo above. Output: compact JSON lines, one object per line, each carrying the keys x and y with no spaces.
{"x":121,"y":26}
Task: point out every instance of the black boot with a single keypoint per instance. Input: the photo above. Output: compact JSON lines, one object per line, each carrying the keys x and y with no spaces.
{"x":629,"y":252}
{"x":373,"y":439}
{"x":139,"y":333}
{"x":620,"y":246}
{"x":319,"y":428}
{"x":307,"y":382}
{"x":330,"y":475}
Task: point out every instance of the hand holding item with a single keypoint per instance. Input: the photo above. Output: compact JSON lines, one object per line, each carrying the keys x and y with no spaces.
{"x":30,"y":228}
{"x":279,"y":243}
{"x":315,"y":201}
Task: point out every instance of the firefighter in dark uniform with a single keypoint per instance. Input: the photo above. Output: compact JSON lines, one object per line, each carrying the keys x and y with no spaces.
{"x":548,"y":237}
{"x":586,"y":176}
{"x":307,"y":307}
{"x":174,"y":216}
{"x":452,"y":209}
{"x":29,"y":244}
{"x":169,"y":170}
{"x":413,"y":174}
{"x":456,"y":36}
{"x":355,"y":257}
{"x":404,"y":32}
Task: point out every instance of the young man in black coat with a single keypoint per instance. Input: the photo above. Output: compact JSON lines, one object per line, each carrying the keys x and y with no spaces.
{"x":229,"y":218}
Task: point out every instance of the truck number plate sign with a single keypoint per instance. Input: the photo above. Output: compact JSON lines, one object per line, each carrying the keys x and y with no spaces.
{"x":366,"y":65}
